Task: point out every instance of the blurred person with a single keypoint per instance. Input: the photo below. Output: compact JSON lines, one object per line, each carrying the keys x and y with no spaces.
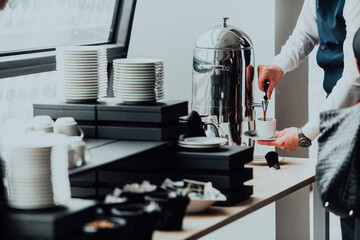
{"x":337,"y":158}
{"x":356,"y":47}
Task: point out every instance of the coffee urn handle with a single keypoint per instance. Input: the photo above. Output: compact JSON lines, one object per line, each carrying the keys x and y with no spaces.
{"x":267,"y":84}
{"x":225,"y":23}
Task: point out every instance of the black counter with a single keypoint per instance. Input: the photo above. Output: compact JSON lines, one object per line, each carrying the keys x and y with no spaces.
{"x":104,"y":152}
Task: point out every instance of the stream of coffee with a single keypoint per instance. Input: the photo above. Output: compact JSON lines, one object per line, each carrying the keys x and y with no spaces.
{"x":264,"y":115}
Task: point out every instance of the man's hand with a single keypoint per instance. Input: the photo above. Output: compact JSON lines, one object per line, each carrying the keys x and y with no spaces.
{"x":273,"y":73}
{"x":287,"y":139}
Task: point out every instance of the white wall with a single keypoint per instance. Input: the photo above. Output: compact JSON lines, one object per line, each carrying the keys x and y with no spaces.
{"x":168,"y":29}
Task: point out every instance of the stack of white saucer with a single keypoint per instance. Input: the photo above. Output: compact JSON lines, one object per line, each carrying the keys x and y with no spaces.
{"x":83,"y":72}
{"x":138,"y":80}
{"x":35,"y":172}
{"x":202,"y":142}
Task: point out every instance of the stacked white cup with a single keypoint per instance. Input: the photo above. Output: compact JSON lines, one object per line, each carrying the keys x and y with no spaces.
{"x":77,"y":146}
{"x":77,"y":152}
{"x":67,"y":126}
{"x":43,"y":123}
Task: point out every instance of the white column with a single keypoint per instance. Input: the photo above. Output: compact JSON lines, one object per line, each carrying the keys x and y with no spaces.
{"x":321,"y":218}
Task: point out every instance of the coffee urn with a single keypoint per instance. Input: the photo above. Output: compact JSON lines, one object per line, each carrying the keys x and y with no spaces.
{"x":223,"y":86}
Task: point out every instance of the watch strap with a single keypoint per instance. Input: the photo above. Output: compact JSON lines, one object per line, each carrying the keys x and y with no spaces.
{"x":303,"y":140}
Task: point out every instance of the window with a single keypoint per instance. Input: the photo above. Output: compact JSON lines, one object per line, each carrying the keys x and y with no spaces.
{"x":18,"y":93}
{"x":34,"y":24}
{"x":31,"y":29}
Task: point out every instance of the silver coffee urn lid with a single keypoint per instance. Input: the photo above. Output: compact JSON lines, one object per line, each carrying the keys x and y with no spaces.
{"x":225,"y":37}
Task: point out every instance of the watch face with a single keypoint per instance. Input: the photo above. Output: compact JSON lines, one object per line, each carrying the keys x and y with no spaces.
{"x":304,"y":142}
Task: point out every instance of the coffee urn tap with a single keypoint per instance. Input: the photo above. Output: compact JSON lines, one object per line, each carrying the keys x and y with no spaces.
{"x":222,"y":84}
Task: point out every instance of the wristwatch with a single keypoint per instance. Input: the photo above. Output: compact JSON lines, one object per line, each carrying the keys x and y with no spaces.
{"x":303,"y":140}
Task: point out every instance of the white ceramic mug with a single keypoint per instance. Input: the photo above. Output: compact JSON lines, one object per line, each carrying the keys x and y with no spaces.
{"x":67,"y":126}
{"x":266,"y":129}
{"x":43,"y":123}
{"x":77,"y":152}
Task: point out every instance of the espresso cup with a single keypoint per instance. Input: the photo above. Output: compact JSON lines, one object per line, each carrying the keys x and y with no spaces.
{"x":266,"y":129}
{"x":67,"y":126}
{"x":77,"y":150}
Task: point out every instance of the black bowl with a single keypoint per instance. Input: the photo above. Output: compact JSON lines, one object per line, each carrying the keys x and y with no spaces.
{"x":136,"y":197}
{"x":172,"y":210}
{"x":141,"y":218}
{"x":116,"y":230}
{"x":104,"y":209}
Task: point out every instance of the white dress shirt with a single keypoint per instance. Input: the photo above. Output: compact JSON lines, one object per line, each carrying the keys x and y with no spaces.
{"x":303,"y":40}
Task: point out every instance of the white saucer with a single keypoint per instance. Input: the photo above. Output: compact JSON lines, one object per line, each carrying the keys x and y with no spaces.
{"x":202,"y":142}
{"x":198,"y":146}
{"x":256,"y":137}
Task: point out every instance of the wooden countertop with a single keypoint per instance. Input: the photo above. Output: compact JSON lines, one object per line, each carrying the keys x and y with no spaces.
{"x":269,"y":186}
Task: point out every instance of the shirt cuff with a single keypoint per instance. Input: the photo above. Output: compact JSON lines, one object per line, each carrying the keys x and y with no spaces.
{"x":312,"y":129}
{"x":283,"y":63}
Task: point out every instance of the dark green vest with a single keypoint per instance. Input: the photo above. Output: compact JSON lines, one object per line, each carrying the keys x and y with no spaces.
{"x":332,"y":33}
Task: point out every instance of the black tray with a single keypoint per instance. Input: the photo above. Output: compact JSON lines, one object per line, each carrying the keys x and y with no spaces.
{"x":110,"y":179}
{"x":83,"y":180}
{"x":158,"y":112}
{"x":104,"y":191}
{"x":85,"y":112}
{"x":55,"y":223}
{"x":83,"y":192}
{"x":89,"y":131}
{"x":142,"y":133}
{"x":148,"y":162}
{"x":220,"y":181}
{"x":226,"y":158}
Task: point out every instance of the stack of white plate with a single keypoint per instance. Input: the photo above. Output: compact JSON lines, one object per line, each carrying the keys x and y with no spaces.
{"x":83,"y":72}
{"x":202,"y":142}
{"x":138,"y":80}
{"x":33,"y":176}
